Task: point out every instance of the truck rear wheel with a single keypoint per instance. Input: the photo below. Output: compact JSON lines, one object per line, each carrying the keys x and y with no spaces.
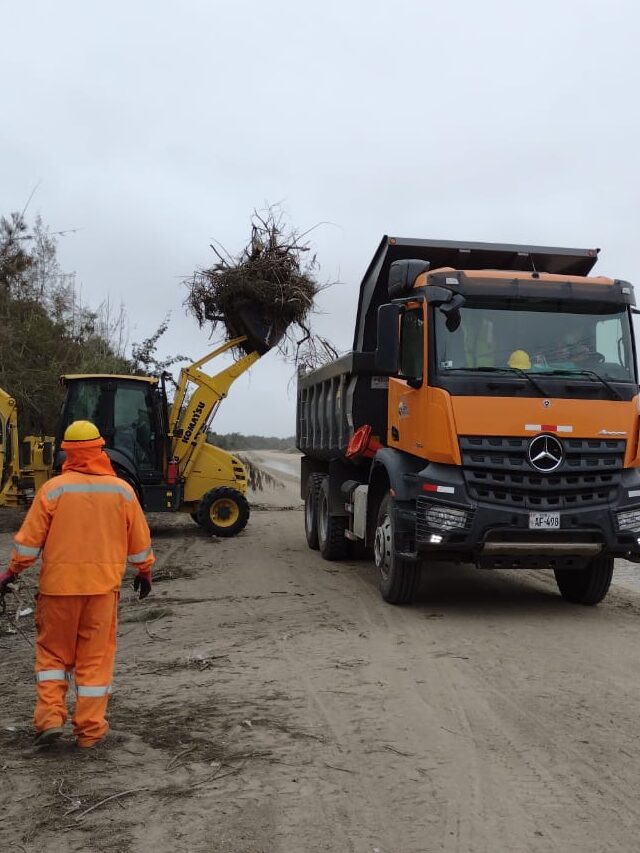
{"x":398,"y":578}
{"x":311,"y":510}
{"x":586,"y":586}
{"x":331,"y":539}
{"x":223,"y":512}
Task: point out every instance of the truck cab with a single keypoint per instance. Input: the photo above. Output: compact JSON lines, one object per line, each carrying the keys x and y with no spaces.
{"x":499,"y":390}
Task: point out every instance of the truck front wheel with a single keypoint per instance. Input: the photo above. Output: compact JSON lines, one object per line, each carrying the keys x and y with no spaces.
{"x":223,"y":512}
{"x":397,"y":578}
{"x":331,"y":539}
{"x":586,"y":586}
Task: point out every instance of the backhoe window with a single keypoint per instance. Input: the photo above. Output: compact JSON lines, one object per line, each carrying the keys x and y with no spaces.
{"x":134,"y":432}
{"x":88,"y":403}
{"x":122,"y":411}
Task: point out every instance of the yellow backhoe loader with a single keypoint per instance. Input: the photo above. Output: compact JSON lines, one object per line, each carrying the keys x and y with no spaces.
{"x":161,"y":448}
{"x":26,"y":464}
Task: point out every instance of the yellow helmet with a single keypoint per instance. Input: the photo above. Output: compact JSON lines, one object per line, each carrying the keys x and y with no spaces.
{"x":81,"y":431}
{"x":520,"y":360}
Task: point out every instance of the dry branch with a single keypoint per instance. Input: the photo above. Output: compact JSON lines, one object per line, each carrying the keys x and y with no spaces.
{"x":153,"y":636}
{"x":174,"y":761}
{"x":17,"y":591}
{"x":257,"y":478}
{"x":108,"y":799}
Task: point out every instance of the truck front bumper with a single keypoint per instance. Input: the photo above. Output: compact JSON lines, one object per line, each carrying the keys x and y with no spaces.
{"x":446,"y":524}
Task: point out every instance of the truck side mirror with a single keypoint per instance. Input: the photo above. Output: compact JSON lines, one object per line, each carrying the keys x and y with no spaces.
{"x":387,"y":355}
{"x":403,"y":275}
{"x":451,"y":311}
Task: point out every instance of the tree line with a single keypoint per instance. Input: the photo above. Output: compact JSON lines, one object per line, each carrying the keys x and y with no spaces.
{"x":237,"y":441}
{"x":46,"y":329}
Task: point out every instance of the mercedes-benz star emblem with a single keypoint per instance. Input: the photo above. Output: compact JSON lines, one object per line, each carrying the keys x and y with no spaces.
{"x":545,"y":453}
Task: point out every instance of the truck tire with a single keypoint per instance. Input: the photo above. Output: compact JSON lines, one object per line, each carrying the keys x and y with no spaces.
{"x":223,"y":512}
{"x":586,"y":586}
{"x":359,"y":551}
{"x":332,"y":542}
{"x":397,"y":578}
{"x":311,"y":510}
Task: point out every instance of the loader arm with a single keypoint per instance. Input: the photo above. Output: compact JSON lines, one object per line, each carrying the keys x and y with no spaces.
{"x":190,"y":416}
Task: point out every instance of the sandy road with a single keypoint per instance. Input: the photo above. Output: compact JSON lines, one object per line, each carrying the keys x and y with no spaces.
{"x":270,"y":701}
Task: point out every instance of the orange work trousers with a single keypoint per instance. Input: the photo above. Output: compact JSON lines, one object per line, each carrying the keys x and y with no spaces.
{"x":76,"y":634}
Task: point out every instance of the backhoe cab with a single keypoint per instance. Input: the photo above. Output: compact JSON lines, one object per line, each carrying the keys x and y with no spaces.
{"x":160,"y":446}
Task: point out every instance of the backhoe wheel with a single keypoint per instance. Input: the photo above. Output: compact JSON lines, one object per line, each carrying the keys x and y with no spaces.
{"x":311,"y":510}
{"x":397,"y":578}
{"x":223,"y":512}
{"x":332,"y":542}
{"x":194,"y":516}
{"x":586,"y":586}
{"x":124,"y":475}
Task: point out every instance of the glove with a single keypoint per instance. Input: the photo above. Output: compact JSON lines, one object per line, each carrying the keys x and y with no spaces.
{"x":7,"y":578}
{"x":142,"y":582}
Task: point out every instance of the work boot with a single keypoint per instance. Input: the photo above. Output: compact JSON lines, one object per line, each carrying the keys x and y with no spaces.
{"x":48,"y":736}
{"x":87,"y":745}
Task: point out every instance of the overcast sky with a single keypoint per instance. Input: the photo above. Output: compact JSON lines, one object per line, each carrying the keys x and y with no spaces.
{"x":155,"y":127}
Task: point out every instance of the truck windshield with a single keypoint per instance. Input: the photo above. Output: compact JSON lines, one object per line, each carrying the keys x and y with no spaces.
{"x":537,"y":341}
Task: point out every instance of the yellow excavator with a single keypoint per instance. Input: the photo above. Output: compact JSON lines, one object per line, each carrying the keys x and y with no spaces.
{"x":24,"y":465}
{"x":160,"y":448}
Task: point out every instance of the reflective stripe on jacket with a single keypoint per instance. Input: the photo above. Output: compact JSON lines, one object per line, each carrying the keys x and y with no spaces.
{"x":87,"y":527}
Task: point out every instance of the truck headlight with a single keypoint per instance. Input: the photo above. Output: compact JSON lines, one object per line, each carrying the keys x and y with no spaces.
{"x":629,"y":520}
{"x":446,"y":518}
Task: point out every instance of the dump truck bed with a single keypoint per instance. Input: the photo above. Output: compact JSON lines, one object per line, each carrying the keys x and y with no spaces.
{"x":333,"y":401}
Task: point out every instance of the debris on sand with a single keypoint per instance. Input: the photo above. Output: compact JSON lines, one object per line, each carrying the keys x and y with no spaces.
{"x":257,"y":478}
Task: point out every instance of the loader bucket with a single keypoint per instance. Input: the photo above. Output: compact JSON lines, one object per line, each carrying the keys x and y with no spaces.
{"x":262,"y":332}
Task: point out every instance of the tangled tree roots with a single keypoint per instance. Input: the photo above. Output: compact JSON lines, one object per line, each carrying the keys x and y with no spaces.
{"x":265,"y":293}
{"x":257,"y":478}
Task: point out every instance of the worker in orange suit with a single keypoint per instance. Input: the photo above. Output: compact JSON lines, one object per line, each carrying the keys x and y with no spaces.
{"x":86,"y":523}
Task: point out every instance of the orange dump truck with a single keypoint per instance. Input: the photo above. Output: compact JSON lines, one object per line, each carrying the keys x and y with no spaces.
{"x":488,"y":413}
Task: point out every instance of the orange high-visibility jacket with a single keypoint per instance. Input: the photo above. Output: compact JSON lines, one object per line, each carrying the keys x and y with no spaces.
{"x":86,"y":527}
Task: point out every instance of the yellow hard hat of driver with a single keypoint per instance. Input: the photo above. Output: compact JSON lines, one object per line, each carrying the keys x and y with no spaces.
{"x":81,"y":431}
{"x":519,"y":359}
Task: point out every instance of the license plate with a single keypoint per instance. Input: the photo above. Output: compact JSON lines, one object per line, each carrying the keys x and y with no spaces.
{"x":544,"y":520}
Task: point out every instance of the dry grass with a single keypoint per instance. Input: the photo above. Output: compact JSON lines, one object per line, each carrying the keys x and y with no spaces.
{"x":147,"y":614}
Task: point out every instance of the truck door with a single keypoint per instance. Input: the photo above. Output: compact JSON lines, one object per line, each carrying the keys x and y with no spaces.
{"x":406,"y":394}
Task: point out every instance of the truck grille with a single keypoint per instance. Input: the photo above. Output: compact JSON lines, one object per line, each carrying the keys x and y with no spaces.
{"x":497,"y":470}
